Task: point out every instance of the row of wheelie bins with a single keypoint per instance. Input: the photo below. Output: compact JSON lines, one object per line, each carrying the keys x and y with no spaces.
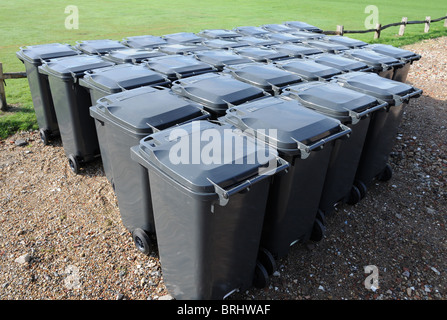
{"x":222,"y":158}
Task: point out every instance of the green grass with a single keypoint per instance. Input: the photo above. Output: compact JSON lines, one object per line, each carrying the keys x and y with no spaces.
{"x":28,"y":22}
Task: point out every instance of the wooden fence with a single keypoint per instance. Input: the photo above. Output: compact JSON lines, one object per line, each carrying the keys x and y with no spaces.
{"x":3,"y":77}
{"x":340,"y":29}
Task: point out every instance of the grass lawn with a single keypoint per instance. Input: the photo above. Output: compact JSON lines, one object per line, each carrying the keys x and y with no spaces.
{"x":29,"y":22}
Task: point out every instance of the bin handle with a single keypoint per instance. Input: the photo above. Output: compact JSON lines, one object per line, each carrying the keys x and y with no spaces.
{"x":415,"y":94}
{"x":305,"y":150}
{"x":356,"y":116}
{"x":224,"y":194}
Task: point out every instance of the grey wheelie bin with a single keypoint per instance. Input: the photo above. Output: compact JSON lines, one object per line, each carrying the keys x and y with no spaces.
{"x":382,"y":134}
{"x":224,"y":44}
{"x":301,"y":25}
{"x":265,"y":76}
{"x":208,"y":214}
{"x":262,"y":54}
{"x":308,"y":70}
{"x":177,"y":66}
{"x":183,"y":38}
{"x":251,"y":31}
{"x":354,"y":110}
{"x":383,"y":65}
{"x":346,"y":41}
{"x":296,"y":50}
{"x":257,"y":41}
{"x":219,"y":34}
{"x":308,"y":35}
{"x":177,"y":48}
{"x":305,"y":139}
{"x":32,"y":57}
{"x":144,"y":42}
{"x":131,"y":55}
{"x":217,"y":92}
{"x":273,"y":27}
{"x":406,"y":56}
{"x":340,"y":62}
{"x":220,"y":58}
{"x":284,"y":37}
{"x":99,"y":47}
{"x":122,"y":120}
{"x":326,"y":46}
{"x":72,"y":103}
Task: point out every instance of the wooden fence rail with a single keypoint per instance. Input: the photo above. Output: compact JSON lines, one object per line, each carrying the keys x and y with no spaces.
{"x":3,"y":77}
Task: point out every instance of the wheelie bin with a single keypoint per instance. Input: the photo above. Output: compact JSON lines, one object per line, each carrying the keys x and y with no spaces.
{"x":308,"y":70}
{"x":178,"y":66}
{"x":296,"y":50}
{"x":32,"y":57}
{"x":183,"y":38}
{"x":264,"y":55}
{"x":326,"y":46}
{"x":208,"y":214}
{"x":406,"y":56}
{"x":122,"y":120}
{"x":284,"y":37}
{"x":346,"y":41}
{"x":220,"y":58}
{"x":219,"y":34}
{"x":382,"y":134}
{"x":217,"y":92}
{"x":305,"y":139}
{"x":177,"y":48}
{"x":251,"y":31}
{"x":274,"y":27}
{"x":301,"y":25}
{"x":383,"y":65}
{"x":224,"y":44}
{"x":144,"y":42}
{"x":354,"y":110}
{"x":340,"y":62}
{"x":265,"y":76}
{"x":99,"y":47}
{"x":131,"y":55}
{"x":257,"y":41}
{"x":71,"y":105}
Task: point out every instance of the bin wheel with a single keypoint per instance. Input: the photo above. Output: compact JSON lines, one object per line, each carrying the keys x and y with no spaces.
{"x":142,"y":241}
{"x":261,"y":277}
{"x":362,"y":188}
{"x":267,"y":260}
{"x":44,"y":136}
{"x":386,"y":174}
{"x":74,"y":163}
{"x":318,"y":231}
{"x":354,"y":196}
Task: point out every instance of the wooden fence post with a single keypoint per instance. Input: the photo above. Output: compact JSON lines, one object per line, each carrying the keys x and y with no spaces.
{"x":340,"y":30}
{"x":377,"y":32}
{"x":3,"y":104}
{"x":445,"y":22}
{"x":402,"y":26}
{"x":427,"y":24}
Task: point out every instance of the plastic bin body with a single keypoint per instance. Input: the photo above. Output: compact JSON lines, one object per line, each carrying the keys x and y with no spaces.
{"x":99,"y":47}
{"x":122,"y":120}
{"x":300,"y":25}
{"x":308,"y":70}
{"x":354,"y":110}
{"x":217,"y":92}
{"x":220,"y":58}
{"x":32,"y":57}
{"x":406,"y":56}
{"x":383,"y":65}
{"x":295,"y":131}
{"x":340,"y":62}
{"x":383,"y":131}
{"x":178,"y":66}
{"x":131,"y":55}
{"x":262,"y":54}
{"x":207,"y":249}
{"x":265,"y":76}
{"x":296,"y":50}
{"x":144,"y":42}
{"x":72,"y":102}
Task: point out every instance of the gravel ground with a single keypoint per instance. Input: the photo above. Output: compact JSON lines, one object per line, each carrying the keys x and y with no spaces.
{"x":62,"y":237}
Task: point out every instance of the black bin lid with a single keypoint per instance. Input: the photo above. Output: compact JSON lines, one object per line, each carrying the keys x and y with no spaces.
{"x":331,"y":99}
{"x":122,"y":77}
{"x":394,"y":52}
{"x":371,"y":57}
{"x":261,"y":54}
{"x":346,"y":41}
{"x":178,"y":48}
{"x":35,"y":54}
{"x":224,"y":44}
{"x":220,"y":58}
{"x":197,"y":175}
{"x":99,"y":47}
{"x":278,"y":28}
{"x":327,"y":46}
{"x":251,"y":31}
{"x":265,"y":76}
{"x":177,"y":66}
{"x":374,"y":85}
{"x":307,"y":35}
{"x":132,"y":55}
{"x":219,"y":34}
{"x":183,"y":38}
{"x":73,"y":66}
{"x":290,"y":120}
{"x":339,"y":62}
{"x":296,"y":49}
{"x":308,"y":69}
{"x":144,"y":42}
{"x":145,"y":110}
{"x":284,"y":37}
{"x":257,"y":41}
{"x":301,"y":25}
{"x":216,"y":91}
